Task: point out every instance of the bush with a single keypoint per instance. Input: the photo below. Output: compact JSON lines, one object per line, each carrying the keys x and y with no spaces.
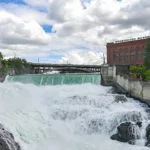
{"x":147,"y":75}
{"x":137,"y":72}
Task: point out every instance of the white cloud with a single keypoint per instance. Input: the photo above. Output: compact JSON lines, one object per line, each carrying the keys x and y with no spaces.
{"x":20,"y":36}
{"x":16,"y":31}
{"x":87,"y":23}
{"x":26,"y":13}
{"x":98,"y":23}
{"x":65,"y":10}
{"x":82,"y":57}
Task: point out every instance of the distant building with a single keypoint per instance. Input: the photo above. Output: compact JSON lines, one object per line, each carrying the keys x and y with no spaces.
{"x":126,"y":52}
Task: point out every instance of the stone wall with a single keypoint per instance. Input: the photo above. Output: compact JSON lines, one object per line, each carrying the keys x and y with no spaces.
{"x":137,"y":89}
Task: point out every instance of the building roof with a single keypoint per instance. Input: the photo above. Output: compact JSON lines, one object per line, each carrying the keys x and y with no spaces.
{"x":129,"y":40}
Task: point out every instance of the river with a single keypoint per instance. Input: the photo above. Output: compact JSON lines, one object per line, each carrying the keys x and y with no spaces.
{"x":46,"y":114}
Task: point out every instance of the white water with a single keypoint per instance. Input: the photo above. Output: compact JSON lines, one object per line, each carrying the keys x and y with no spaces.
{"x":66,"y":117}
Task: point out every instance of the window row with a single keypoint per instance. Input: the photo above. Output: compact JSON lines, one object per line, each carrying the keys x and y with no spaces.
{"x":127,"y":57}
{"x":127,"y":50}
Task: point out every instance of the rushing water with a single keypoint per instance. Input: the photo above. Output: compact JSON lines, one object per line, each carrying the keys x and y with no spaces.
{"x":67,"y":117}
{"x":56,"y":79}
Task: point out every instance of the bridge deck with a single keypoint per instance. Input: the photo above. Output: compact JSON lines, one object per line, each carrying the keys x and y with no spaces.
{"x":43,"y":67}
{"x":63,"y":65}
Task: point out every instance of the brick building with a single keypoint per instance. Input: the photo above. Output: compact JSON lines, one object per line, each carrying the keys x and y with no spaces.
{"x":126,"y":52}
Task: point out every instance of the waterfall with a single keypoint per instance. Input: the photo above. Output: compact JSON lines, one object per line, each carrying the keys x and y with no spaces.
{"x":56,"y":79}
{"x":75,"y":114}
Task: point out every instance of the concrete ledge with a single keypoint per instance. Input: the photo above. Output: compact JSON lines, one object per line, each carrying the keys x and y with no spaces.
{"x":137,"y":89}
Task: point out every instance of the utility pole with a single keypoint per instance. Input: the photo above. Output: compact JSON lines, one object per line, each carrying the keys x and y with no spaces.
{"x":104,"y":59}
{"x":14,"y":53}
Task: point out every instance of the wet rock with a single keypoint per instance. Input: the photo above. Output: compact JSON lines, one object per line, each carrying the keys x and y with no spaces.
{"x":148,"y":131}
{"x":132,"y":142}
{"x":120,"y":98}
{"x":139,"y":123}
{"x":115,"y":137}
{"x":147,"y":144}
{"x":95,"y":125}
{"x":127,"y":132}
{"x":7,"y":141}
{"x":148,"y":135}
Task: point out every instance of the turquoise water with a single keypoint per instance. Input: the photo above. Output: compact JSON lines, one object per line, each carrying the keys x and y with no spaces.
{"x":56,"y":79}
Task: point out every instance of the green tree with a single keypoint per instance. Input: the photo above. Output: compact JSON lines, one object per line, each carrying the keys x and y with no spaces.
{"x":4,"y":67}
{"x":1,"y":56}
{"x":16,"y":64}
{"x":147,"y":55}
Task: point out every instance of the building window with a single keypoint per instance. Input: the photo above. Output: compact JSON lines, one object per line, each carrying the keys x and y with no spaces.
{"x":132,"y":51}
{"x":115,"y":56}
{"x":121,"y":54}
{"x":142,"y":53}
{"x":143,"y":47}
{"x":132,"y":54}
{"x":132,"y":57}
{"x":126,"y":54}
{"x":138,"y":54}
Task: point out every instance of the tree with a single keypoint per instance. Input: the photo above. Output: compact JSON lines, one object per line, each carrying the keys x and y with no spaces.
{"x":147,"y":55}
{"x":20,"y":66}
{"x":1,"y":56}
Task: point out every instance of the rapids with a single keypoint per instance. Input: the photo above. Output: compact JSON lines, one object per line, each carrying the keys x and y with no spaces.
{"x":67,"y":117}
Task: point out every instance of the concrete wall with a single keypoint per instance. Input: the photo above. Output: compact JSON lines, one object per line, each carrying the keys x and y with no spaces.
{"x":108,"y":73}
{"x":137,"y":89}
{"x":110,"y":77}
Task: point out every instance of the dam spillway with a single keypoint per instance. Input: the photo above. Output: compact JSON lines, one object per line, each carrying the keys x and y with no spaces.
{"x":56,"y":79}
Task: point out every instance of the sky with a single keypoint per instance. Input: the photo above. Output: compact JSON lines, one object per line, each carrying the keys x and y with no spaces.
{"x":69,"y":31}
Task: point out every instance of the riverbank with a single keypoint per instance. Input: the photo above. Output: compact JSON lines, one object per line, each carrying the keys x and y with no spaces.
{"x":117,"y":76}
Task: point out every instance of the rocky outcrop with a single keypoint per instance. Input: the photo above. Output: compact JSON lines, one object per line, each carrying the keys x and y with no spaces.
{"x":127,"y":132}
{"x":2,"y":78}
{"x":148,"y":136}
{"x":7,"y":141}
{"x":120,"y":98}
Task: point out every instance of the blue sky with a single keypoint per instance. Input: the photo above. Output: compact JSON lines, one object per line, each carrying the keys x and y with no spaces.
{"x":47,"y":28}
{"x":12,"y":1}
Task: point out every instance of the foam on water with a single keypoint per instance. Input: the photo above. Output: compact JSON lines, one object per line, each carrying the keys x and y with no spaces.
{"x":67,"y":117}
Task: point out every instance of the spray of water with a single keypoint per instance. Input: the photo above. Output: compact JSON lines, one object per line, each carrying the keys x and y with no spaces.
{"x":67,"y":117}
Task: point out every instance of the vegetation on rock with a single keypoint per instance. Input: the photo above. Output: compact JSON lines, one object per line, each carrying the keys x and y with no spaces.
{"x":14,"y":66}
